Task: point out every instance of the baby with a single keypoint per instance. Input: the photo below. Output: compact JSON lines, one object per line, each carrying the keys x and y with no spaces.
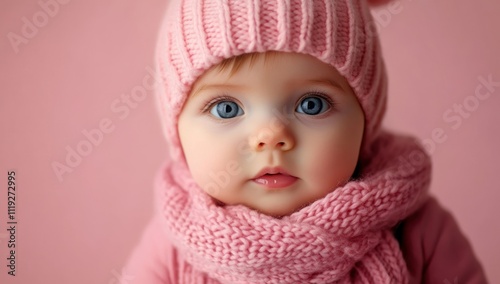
{"x":279,"y":171}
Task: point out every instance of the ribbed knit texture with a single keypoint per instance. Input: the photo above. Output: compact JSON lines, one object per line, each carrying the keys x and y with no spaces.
{"x":344,"y":237}
{"x":198,"y":34}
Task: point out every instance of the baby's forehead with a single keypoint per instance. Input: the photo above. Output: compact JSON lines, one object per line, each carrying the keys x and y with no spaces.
{"x":234,"y":64}
{"x":292,"y":68}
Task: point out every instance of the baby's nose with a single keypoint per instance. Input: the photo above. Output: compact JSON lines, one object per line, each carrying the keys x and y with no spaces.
{"x":271,"y":136}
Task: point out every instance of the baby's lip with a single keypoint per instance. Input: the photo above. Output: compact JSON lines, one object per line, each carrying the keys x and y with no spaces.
{"x":274,"y":178}
{"x":272,"y":171}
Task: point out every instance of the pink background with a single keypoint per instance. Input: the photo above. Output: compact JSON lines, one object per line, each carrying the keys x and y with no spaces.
{"x":71,"y":73}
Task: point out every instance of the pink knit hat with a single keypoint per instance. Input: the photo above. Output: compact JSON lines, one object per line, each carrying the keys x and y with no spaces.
{"x":198,"y":34}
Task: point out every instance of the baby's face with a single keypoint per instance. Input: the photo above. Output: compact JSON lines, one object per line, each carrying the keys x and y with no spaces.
{"x":275,"y":136}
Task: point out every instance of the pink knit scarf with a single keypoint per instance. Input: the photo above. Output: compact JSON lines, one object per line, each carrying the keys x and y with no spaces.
{"x":345,"y":237}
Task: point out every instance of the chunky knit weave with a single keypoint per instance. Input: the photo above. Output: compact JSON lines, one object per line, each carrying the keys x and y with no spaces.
{"x":197,"y":34}
{"x":344,"y":237}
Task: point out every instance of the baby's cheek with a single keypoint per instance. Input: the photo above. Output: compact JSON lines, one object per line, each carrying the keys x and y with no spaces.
{"x":333,"y":162}
{"x":217,"y":171}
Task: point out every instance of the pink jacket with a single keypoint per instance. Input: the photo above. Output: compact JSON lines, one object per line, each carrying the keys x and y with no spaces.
{"x":433,"y":246}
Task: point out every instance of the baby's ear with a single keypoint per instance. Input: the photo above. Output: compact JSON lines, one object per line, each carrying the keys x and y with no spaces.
{"x":378,"y":2}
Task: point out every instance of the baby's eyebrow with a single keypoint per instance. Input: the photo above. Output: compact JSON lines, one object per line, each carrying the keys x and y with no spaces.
{"x":325,"y":82}
{"x":218,"y":87}
{"x":291,"y":84}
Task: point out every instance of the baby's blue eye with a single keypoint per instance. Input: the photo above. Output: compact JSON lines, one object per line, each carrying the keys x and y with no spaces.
{"x":312,"y":106}
{"x":226,"y":109}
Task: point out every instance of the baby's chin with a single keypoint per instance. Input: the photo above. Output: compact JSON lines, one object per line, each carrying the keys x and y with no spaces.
{"x":279,"y":213}
{"x":276,"y":211}
{"x":276,"y":204}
